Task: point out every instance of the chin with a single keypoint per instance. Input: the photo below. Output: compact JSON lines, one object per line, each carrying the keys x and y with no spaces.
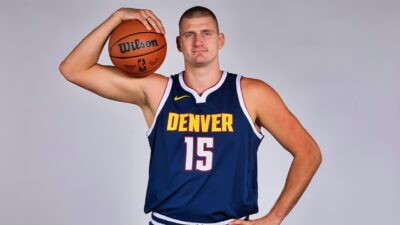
{"x":200,"y":63}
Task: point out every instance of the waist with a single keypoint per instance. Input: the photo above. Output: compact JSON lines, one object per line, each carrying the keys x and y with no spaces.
{"x":159,"y":219}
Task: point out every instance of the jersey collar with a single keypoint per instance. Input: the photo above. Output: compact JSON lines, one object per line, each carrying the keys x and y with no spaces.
{"x":203,"y":97}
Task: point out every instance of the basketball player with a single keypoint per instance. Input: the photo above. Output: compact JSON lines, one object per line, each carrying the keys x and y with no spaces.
{"x":204,"y":126}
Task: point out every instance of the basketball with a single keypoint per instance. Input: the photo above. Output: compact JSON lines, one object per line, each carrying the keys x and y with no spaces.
{"x":135,"y":50}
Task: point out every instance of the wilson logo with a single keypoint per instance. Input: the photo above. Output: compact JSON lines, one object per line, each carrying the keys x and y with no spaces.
{"x":136,"y":45}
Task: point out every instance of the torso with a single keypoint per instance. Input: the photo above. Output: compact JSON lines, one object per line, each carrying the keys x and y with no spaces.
{"x":199,"y":144}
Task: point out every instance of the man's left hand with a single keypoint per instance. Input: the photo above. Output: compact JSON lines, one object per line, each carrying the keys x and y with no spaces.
{"x":260,"y":221}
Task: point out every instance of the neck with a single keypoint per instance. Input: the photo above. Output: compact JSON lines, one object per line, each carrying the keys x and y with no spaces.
{"x":202,"y":78}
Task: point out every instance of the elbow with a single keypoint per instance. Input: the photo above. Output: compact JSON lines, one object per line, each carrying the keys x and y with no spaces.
{"x":310,"y":152}
{"x":65,"y":71}
{"x":316,"y":156}
{"x":312,"y":155}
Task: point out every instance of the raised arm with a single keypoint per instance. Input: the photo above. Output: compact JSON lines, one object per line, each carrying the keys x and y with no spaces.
{"x":269,"y":111}
{"x":81,"y":68}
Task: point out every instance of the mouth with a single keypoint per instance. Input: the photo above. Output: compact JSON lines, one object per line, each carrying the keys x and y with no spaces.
{"x":199,"y":50}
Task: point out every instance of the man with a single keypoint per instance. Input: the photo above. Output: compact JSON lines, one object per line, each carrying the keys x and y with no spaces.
{"x":204,"y":126}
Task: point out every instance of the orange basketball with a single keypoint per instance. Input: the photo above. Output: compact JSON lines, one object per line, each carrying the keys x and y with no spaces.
{"x":135,"y":50}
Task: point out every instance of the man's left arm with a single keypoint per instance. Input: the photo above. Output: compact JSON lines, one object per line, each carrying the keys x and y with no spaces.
{"x":269,"y":111}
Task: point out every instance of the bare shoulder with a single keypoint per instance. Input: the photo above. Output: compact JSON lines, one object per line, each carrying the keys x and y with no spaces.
{"x":155,"y":80}
{"x":155,"y":84}
{"x":261,"y":100}
{"x":154,"y":87}
{"x":255,"y":87}
{"x":256,"y":91}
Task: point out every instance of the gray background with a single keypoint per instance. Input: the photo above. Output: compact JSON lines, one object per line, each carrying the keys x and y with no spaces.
{"x":70,"y":157}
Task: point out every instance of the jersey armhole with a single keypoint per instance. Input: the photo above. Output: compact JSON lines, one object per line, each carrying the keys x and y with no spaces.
{"x":161,"y":105}
{"x":244,"y":109}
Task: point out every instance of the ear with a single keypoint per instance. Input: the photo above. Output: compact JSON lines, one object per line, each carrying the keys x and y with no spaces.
{"x":178,"y":43}
{"x":221,"y":40}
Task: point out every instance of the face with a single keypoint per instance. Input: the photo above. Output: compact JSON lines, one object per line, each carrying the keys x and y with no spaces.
{"x":199,"y":41}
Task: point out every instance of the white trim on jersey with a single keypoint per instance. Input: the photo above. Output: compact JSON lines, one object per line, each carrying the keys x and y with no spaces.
{"x":243,"y":106}
{"x":203,"y":97}
{"x":160,"y":106}
{"x":155,"y":222}
{"x":190,"y":223}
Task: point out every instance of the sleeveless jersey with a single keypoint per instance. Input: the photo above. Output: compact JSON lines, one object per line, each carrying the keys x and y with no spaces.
{"x":203,"y":162}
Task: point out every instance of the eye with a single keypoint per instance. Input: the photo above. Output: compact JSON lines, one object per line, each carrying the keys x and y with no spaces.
{"x":188,"y":35}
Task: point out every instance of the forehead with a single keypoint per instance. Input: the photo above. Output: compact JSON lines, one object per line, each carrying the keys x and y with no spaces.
{"x":198,"y":23}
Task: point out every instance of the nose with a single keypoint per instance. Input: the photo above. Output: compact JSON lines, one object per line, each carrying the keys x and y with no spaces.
{"x":198,"y":39}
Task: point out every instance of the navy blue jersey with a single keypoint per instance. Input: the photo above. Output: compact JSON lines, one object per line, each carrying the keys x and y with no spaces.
{"x":203,"y":163}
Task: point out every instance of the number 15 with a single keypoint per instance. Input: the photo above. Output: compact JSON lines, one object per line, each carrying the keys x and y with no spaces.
{"x":204,"y":149}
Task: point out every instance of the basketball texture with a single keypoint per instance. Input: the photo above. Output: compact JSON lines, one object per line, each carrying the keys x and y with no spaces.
{"x":135,"y":50}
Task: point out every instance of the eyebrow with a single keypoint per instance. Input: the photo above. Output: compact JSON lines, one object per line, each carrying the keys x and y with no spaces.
{"x":201,"y":31}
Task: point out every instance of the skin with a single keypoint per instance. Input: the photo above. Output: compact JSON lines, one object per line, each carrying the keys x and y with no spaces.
{"x":199,"y":42}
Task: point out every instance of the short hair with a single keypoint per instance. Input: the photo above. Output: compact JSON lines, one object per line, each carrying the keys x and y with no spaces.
{"x":196,"y":12}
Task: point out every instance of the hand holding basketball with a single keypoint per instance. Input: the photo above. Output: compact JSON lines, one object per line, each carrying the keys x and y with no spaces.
{"x":137,"y":46}
{"x":147,"y":17}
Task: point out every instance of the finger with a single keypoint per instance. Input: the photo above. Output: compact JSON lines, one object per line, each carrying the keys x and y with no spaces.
{"x":153,"y":24}
{"x":144,"y":20}
{"x":238,"y":222}
{"x":155,"y":21}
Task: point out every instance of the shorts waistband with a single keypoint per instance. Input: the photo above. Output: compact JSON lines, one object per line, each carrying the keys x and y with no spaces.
{"x":158,"y":219}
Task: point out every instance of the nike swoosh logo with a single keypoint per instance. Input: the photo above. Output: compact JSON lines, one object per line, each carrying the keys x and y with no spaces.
{"x":180,"y":97}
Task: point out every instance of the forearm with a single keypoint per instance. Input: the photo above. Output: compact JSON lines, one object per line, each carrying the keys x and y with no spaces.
{"x":301,"y":171}
{"x":87,"y":52}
